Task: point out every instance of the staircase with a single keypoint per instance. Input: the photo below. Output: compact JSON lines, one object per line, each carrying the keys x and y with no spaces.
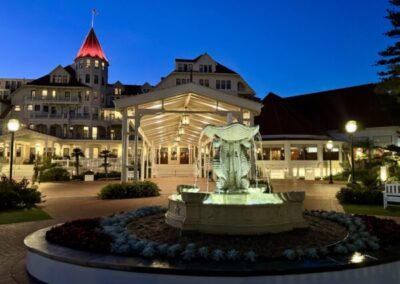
{"x":19,"y":171}
{"x":174,"y":170}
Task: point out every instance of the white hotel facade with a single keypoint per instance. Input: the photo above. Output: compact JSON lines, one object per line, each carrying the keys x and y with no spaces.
{"x":75,"y":106}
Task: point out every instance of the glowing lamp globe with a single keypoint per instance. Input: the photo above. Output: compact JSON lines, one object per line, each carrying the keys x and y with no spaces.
{"x":351,"y":126}
{"x":13,"y":125}
{"x":329,"y":145}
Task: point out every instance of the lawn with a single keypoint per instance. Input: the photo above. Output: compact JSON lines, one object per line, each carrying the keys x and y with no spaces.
{"x":371,"y":210}
{"x":23,"y":215}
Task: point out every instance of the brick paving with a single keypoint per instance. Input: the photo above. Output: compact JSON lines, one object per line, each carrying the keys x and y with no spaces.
{"x":73,"y":200}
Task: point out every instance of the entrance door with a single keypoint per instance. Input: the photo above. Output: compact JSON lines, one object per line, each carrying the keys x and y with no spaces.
{"x":184,"y":156}
{"x":164,"y":155}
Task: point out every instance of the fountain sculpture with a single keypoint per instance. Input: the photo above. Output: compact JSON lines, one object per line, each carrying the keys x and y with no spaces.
{"x":232,"y":208}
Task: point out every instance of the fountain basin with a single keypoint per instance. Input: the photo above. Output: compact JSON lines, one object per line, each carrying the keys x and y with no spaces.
{"x":237,"y":214}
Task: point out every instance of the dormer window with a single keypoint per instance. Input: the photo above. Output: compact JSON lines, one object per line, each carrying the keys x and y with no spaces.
{"x":117,"y":91}
{"x":206,"y":68}
{"x":59,"y":79}
{"x":180,"y":67}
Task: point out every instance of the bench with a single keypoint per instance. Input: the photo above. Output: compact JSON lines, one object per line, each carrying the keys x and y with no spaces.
{"x":391,"y":194}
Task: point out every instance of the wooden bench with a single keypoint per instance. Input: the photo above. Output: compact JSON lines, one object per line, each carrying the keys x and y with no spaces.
{"x":391,"y":194}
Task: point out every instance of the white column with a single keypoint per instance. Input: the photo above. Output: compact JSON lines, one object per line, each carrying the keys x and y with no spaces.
{"x":287,"y":159}
{"x":135,"y":159}
{"x":125,"y":141}
{"x":142,"y":170}
{"x":320,"y":157}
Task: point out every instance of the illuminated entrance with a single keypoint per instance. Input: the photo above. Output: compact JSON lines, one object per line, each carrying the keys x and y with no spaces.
{"x":166,"y":126}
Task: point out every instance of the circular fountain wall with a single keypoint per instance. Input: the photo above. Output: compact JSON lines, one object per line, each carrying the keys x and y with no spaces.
{"x":236,"y":214}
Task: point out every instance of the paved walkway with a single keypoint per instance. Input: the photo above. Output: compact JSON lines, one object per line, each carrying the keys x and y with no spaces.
{"x":73,"y":200}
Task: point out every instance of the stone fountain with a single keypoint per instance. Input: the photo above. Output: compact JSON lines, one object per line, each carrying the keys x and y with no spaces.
{"x":232,"y":208}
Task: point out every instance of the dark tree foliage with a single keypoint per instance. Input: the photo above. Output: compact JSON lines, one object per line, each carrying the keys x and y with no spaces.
{"x":77,"y":153}
{"x":105,"y":154}
{"x":391,"y":55}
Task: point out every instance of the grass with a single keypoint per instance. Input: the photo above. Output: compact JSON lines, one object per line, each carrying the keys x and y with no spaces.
{"x":23,"y":215}
{"x":371,"y":210}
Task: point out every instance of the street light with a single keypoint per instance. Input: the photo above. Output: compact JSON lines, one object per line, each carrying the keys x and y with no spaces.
{"x":351,"y":127}
{"x":37,"y":149}
{"x":329,"y":146}
{"x":12,"y":126}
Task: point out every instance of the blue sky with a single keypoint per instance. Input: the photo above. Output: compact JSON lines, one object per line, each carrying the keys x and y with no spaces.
{"x":288,"y":47}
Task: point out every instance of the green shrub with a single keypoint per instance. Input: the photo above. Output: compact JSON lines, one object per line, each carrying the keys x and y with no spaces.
{"x":54,"y":174}
{"x":360,"y":194}
{"x":17,"y":194}
{"x":129,"y":190}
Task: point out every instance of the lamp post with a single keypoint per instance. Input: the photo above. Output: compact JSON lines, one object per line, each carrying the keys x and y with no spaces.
{"x":329,"y":146}
{"x":12,"y":126}
{"x":351,"y":127}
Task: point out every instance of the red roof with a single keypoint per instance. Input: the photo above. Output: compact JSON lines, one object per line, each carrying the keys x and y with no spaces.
{"x":91,"y":47}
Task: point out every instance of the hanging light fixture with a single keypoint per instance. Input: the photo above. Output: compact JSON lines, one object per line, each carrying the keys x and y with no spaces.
{"x":181,"y":130}
{"x":185,"y":118}
{"x":177,"y":139}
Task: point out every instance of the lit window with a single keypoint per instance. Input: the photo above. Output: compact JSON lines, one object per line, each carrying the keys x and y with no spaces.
{"x":44,"y":94}
{"x":95,"y":95}
{"x":85,"y":132}
{"x":117,"y":91}
{"x":87,"y":63}
{"x":94,"y":132}
{"x":96,"y":64}
{"x":87,"y":96}
{"x":30,"y":107}
{"x":31,"y":126}
{"x":17,"y":108}
{"x":33,"y":93}
{"x":103,"y":65}
{"x":53,"y":93}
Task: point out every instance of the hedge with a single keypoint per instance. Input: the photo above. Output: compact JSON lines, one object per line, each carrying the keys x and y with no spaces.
{"x":129,"y":190}
{"x":17,"y":194}
{"x":54,"y":174}
{"x":359,"y":194}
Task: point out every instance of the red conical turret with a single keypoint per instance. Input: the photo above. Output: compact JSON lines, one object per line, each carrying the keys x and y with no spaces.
{"x":91,"y":47}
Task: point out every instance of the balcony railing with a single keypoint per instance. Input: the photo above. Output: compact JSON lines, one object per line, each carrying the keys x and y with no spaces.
{"x":72,"y":99}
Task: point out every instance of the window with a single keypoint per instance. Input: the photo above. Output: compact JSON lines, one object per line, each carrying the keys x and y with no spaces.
{"x":180,"y":67}
{"x":87,"y":96}
{"x":44,"y":94}
{"x":240,"y":86}
{"x":303,"y":152}
{"x":30,"y":107}
{"x":103,"y":82}
{"x":45,"y":108}
{"x":331,"y":155}
{"x":271,"y":152}
{"x":53,"y":93}
{"x":87,"y":63}
{"x":95,"y":97}
{"x":209,"y":68}
{"x":85,"y":132}
{"x":87,"y":78}
{"x":17,"y":108}
{"x":96,"y":64}
{"x":223,"y":84}
{"x":264,"y":154}
{"x":103,"y":65}
{"x":80,"y":64}
{"x":204,"y":82}
{"x":117,"y":91}
{"x":201,"y":68}
{"x":37,"y":107}
{"x":178,"y":81}
{"x":96,"y":79}
{"x":94,"y":132}
{"x":33,"y":93}
{"x":67,"y":95}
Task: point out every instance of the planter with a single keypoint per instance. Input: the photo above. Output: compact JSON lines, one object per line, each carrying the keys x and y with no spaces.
{"x":89,"y":177}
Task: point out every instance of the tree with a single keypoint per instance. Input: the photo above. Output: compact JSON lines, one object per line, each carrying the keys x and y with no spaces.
{"x":105,"y":154}
{"x":391,"y":55}
{"x":77,"y":152}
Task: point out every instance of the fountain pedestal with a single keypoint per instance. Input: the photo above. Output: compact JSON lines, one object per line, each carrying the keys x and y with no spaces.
{"x":236,"y":214}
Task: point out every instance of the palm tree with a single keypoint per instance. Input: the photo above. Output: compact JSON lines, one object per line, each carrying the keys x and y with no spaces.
{"x":105,"y":154}
{"x":77,"y":152}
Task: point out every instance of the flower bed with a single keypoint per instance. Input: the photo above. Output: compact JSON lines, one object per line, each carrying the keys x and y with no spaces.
{"x":112,"y":235}
{"x":129,"y":190}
